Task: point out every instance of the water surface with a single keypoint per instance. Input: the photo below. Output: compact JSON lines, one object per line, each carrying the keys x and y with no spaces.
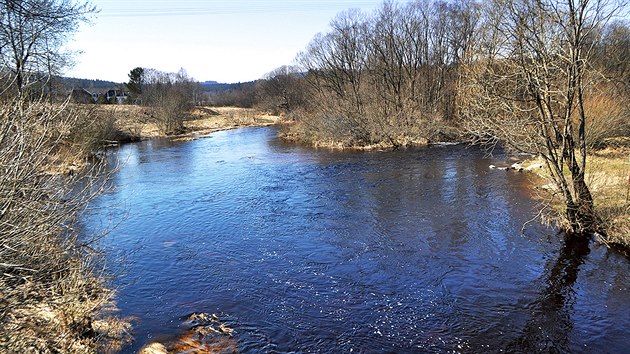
{"x":304,"y":250}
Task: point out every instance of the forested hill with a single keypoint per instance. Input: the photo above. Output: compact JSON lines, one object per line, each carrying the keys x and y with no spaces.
{"x":213,"y":86}
{"x":90,"y":85}
{"x":102,"y":85}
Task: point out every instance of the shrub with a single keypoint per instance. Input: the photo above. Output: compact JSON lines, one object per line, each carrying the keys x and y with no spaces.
{"x":50,"y":292}
{"x":607,"y":116}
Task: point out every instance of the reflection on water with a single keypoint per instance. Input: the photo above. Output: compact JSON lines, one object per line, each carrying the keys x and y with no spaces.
{"x":315,"y":251}
{"x":548,"y":329}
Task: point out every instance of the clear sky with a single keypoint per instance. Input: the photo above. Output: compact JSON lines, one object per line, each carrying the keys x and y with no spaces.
{"x":220,"y":40}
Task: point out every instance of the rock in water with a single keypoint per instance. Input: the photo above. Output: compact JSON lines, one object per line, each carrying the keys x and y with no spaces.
{"x":207,"y":335}
{"x":153,"y":348}
{"x":534,"y":166}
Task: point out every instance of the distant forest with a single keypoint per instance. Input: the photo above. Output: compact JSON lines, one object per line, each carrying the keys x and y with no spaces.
{"x":213,"y":86}
{"x":70,"y":83}
{"x":91,"y":85}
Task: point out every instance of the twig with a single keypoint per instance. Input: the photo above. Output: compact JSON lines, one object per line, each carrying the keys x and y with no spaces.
{"x":16,"y":266}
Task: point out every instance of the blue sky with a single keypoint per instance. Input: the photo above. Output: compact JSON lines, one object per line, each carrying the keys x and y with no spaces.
{"x":225,"y":41}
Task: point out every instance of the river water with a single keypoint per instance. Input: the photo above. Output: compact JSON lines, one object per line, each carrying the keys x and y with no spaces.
{"x":303,"y":250}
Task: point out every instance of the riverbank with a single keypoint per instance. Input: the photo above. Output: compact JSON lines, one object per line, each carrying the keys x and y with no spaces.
{"x":113,"y":125}
{"x":136,"y":124}
{"x":54,"y":296}
{"x":301,"y":132}
{"x":608,"y":177}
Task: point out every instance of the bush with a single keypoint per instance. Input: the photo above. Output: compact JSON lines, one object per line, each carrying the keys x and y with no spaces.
{"x":50,"y":293}
{"x":607,"y":116}
{"x":169,"y":97}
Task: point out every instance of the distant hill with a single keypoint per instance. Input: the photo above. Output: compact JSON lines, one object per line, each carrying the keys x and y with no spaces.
{"x":101,"y":85}
{"x":93,"y":86}
{"x":213,"y":86}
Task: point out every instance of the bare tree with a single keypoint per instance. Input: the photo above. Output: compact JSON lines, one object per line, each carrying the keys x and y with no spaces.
{"x":169,"y":96}
{"x":242,"y":94}
{"x":526,"y":87}
{"x":281,"y":89}
{"x":31,"y":36}
{"x":335,"y":63}
{"x":389,"y":77}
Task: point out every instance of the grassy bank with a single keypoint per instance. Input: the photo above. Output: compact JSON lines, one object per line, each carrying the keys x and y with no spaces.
{"x":54,"y":297}
{"x":308,"y":130}
{"x":607,"y":176}
{"x":137,"y":123}
{"x":99,"y":126}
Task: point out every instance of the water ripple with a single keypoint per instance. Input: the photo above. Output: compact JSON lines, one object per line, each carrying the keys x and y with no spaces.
{"x":315,"y":251}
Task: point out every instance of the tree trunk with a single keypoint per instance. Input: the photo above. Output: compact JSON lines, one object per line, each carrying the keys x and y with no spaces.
{"x":581,"y":212}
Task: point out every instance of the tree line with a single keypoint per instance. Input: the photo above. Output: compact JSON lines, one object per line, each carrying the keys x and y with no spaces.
{"x":168,"y":97}
{"x":544,"y":77}
{"x":390,"y":77}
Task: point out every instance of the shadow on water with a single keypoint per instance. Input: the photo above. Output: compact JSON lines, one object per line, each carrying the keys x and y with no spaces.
{"x":548,"y":329}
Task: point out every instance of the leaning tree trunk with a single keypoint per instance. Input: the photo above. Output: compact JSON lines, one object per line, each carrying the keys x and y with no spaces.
{"x":583,"y":217}
{"x":581,"y":212}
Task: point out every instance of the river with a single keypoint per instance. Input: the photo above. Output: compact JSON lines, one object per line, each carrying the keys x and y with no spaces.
{"x":304,"y":250}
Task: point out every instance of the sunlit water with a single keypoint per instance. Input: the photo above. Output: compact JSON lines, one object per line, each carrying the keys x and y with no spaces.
{"x":304,"y":250}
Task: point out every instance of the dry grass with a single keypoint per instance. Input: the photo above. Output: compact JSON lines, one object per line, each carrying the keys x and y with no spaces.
{"x":138,"y":122}
{"x":53,"y":299}
{"x":65,"y":323}
{"x":607,"y":175}
{"x":607,"y":115}
{"x":134,"y":120}
{"x":205,"y":120}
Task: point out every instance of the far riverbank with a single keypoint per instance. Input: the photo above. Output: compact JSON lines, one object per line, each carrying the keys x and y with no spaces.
{"x":136,"y":124}
{"x":113,"y":125}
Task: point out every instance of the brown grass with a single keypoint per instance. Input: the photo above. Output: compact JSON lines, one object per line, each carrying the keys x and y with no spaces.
{"x":607,"y":116}
{"x":53,"y":296}
{"x":607,"y":175}
{"x":609,"y":170}
{"x":138,"y":122}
